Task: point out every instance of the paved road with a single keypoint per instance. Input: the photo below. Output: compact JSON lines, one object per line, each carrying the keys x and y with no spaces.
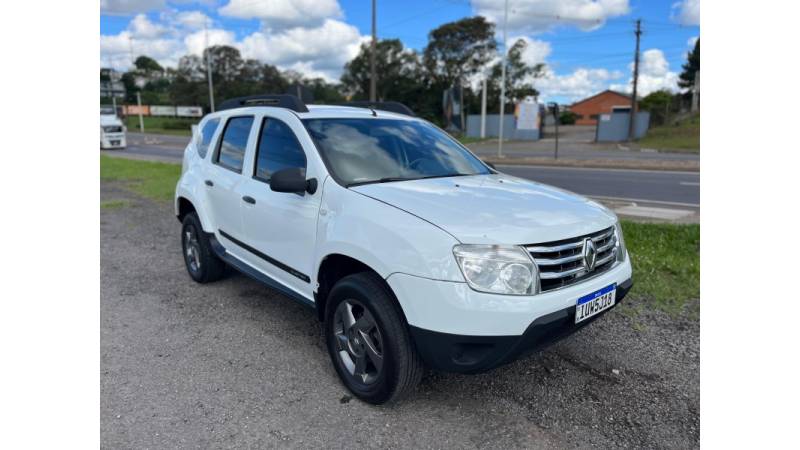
{"x":233,"y":364}
{"x":655,"y":186}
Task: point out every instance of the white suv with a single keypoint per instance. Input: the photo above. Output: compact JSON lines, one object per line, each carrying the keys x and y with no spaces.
{"x":411,"y":250}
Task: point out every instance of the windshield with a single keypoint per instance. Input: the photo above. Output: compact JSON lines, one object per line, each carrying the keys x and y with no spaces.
{"x":362,"y":151}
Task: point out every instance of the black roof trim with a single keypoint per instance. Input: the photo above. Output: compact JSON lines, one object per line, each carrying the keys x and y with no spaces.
{"x":277,"y":100}
{"x":394,"y":107}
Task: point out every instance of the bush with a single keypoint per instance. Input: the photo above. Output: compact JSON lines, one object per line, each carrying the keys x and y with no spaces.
{"x":177,"y":125}
{"x":567,"y":118}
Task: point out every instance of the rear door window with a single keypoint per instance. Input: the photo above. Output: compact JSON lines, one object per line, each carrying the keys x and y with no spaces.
{"x":206,"y":133}
{"x":234,"y":143}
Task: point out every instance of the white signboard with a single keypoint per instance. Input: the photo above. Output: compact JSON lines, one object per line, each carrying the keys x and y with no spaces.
{"x":162,"y":110}
{"x":528,"y":116}
{"x":189,"y":111}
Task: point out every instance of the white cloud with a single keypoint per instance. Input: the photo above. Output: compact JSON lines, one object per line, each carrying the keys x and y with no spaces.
{"x":142,"y":27}
{"x":195,"y":43}
{"x":579,"y":84}
{"x":536,"y":51}
{"x":654,"y":75}
{"x":692,"y":40}
{"x":130,"y":6}
{"x":194,"y":20}
{"x":321,"y":50}
{"x":535,"y":16}
{"x":687,"y":12}
{"x":283,"y":13}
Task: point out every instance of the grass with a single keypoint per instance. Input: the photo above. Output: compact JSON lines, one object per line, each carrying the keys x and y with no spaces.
{"x":153,"y":180}
{"x":162,"y":125}
{"x":114,"y":204}
{"x":665,"y":257}
{"x":683,"y":136}
{"x":666,"y":263}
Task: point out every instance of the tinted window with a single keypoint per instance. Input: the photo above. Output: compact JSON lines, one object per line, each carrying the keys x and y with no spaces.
{"x":278,"y":149}
{"x":206,"y":133}
{"x":361,"y":151}
{"x":234,"y":141}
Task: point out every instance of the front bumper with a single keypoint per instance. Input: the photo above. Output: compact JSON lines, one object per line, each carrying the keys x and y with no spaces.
{"x":473,"y":354}
{"x":113,"y":142}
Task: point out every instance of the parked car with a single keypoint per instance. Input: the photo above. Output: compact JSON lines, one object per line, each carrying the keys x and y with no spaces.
{"x":411,"y":250}
{"x":112,"y":130}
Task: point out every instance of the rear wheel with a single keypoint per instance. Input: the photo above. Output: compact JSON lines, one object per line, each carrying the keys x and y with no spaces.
{"x":368,"y":340}
{"x":201,"y":262}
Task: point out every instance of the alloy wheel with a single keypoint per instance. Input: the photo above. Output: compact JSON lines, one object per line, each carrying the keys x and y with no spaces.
{"x":359,"y":343}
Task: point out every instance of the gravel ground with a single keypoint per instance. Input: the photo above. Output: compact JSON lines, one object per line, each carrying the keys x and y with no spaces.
{"x":234,"y":364}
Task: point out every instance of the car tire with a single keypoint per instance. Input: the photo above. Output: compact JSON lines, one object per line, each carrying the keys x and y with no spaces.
{"x":377,"y":331}
{"x":201,"y":262}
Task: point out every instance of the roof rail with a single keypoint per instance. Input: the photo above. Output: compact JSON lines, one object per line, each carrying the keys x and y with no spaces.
{"x":395,"y":107}
{"x":277,"y":100}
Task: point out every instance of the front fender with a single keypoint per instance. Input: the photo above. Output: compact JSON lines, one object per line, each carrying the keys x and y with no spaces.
{"x":387,"y":239}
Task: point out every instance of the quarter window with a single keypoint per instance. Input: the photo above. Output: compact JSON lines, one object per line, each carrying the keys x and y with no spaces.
{"x":234,"y":142}
{"x":278,"y":149}
{"x":206,"y":133}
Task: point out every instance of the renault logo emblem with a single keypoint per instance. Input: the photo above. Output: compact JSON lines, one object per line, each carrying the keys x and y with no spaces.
{"x":589,"y":254}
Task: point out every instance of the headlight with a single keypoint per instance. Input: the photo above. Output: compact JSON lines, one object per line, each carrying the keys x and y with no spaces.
{"x":497,"y":269}
{"x":621,"y":251}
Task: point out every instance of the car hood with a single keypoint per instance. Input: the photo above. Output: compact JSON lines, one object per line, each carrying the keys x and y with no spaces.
{"x":494,"y":209}
{"x":106,"y":120}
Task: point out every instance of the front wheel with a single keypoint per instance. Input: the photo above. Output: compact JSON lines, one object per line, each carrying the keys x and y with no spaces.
{"x":368,"y":340}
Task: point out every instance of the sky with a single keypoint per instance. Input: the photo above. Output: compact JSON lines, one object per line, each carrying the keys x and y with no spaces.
{"x":586,"y":45}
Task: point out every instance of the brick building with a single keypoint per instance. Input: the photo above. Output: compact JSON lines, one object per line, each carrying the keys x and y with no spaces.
{"x":589,"y":109}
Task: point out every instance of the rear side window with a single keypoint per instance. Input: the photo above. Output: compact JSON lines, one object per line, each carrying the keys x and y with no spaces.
{"x":278,"y":149}
{"x":206,"y":133}
{"x":234,"y":142}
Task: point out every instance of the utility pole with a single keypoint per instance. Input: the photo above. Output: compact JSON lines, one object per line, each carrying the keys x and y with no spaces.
{"x":130,"y":47}
{"x":372,"y":74}
{"x":111,"y":83}
{"x":208,"y":70}
{"x":632,"y":121}
{"x":696,"y":92}
{"x":503,"y":83}
{"x":483,"y":108}
{"x":139,"y":102}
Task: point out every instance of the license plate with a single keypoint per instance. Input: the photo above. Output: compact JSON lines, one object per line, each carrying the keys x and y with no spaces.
{"x":114,"y":142}
{"x":595,"y":303}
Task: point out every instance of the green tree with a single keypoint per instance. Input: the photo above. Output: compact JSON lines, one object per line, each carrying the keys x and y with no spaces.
{"x":397,"y":69}
{"x":690,"y":67}
{"x":660,"y":104}
{"x":458,"y":50}
{"x":147,"y":65}
{"x":519,"y":75}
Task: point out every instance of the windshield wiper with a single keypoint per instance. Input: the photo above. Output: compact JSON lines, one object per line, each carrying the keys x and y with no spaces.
{"x":390,"y":179}
{"x":381,"y":180}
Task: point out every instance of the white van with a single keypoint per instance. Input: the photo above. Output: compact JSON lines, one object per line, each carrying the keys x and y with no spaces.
{"x":112,"y":130}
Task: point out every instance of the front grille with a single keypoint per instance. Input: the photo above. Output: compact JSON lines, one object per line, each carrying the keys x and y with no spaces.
{"x":561,"y":262}
{"x":112,"y":129}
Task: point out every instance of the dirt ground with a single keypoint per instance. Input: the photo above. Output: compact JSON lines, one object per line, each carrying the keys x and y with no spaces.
{"x":234,"y":364}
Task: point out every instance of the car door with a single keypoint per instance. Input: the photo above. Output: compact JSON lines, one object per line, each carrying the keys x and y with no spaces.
{"x":223,"y":177}
{"x":281,"y":227}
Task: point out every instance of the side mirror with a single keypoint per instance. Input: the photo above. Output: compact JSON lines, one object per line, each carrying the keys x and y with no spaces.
{"x":292,"y":180}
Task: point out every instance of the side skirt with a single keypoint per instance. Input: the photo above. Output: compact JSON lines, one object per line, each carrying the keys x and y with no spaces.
{"x":229,"y":259}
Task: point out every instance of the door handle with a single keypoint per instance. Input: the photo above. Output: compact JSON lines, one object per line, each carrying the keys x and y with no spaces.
{"x":249,"y":199}
{"x":209,"y":183}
